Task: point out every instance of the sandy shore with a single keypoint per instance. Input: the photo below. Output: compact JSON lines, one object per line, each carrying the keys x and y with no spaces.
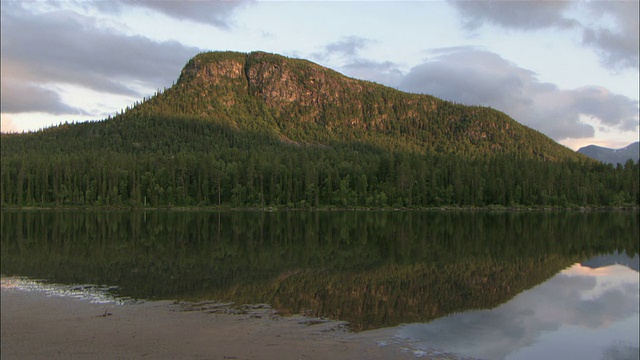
{"x":38,"y":326}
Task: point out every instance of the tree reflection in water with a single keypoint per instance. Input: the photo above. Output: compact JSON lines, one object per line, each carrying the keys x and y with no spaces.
{"x":371,"y":268}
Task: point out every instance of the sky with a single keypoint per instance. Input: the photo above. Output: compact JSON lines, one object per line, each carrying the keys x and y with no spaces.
{"x":568,"y":69}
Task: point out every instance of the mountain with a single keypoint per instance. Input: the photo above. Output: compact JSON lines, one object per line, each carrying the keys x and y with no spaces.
{"x":260,"y":129}
{"x":303,"y":103}
{"x":612,"y":156}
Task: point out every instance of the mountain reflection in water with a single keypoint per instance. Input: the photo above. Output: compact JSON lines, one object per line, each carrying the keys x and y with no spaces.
{"x":371,"y":268}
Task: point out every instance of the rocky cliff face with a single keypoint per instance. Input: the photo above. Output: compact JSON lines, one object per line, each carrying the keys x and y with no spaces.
{"x":303,"y":90}
{"x":212,"y":70}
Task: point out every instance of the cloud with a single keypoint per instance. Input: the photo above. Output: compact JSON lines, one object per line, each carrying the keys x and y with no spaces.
{"x":347,"y":52}
{"x":346,"y":49}
{"x":525,"y":15}
{"x":348,"y":46}
{"x":610,"y":27}
{"x":478,"y":77}
{"x":610,"y":109}
{"x":26,"y":97}
{"x":618,"y":46}
{"x":383,"y":72}
{"x":41,"y":49}
{"x":217,"y":13}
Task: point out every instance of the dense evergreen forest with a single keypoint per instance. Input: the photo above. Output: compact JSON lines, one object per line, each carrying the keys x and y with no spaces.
{"x":232,"y":133}
{"x":189,"y":162}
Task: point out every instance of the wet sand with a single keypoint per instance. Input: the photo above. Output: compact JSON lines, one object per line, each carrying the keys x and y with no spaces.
{"x":37,"y":326}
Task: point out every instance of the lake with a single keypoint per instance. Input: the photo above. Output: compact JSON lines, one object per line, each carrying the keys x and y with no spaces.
{"x":490,"y":285}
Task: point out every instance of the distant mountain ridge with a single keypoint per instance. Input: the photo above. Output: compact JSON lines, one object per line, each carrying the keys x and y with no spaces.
{"x":612,"y":156}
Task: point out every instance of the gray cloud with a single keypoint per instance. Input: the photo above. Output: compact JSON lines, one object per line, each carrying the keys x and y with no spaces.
{"x":618,"y":47}
{"x":347,"y":49}
{"x":477,"y":77}
{"x":62,"y":46}
{"x":354,"y":65}
{"x":621,"y":352}
{"x":348,"y":46}
{"x":25,"y":97}
{"x":384,"y":72}
{"x":616,"y":43}
{"x":217,"y":13}
{"x":611,"y":109}
{"x":526,"y":15}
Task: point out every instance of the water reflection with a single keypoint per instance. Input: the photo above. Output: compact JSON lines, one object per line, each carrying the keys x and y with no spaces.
{"x":372,"y":269}
{"x":581,"y":313}
{"x":615,"y":258}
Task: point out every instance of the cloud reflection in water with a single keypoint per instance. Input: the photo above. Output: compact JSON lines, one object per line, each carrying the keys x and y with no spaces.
{"x":581,"y":313}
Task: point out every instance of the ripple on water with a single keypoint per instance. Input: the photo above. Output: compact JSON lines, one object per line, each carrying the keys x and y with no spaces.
{"x":98,"y":294}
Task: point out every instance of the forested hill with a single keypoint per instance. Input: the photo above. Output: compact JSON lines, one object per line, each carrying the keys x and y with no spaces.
{"x":260,"y":129}
{"x":304,"y":103}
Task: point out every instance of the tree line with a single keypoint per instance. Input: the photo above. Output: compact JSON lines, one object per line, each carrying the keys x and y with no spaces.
{"x":189,"y":162}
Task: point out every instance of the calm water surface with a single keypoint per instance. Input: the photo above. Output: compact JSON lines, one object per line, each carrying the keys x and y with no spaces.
{"x":453,"y":284}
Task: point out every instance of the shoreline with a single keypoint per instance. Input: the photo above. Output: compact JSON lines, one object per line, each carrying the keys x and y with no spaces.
{"x":37,"y":325}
